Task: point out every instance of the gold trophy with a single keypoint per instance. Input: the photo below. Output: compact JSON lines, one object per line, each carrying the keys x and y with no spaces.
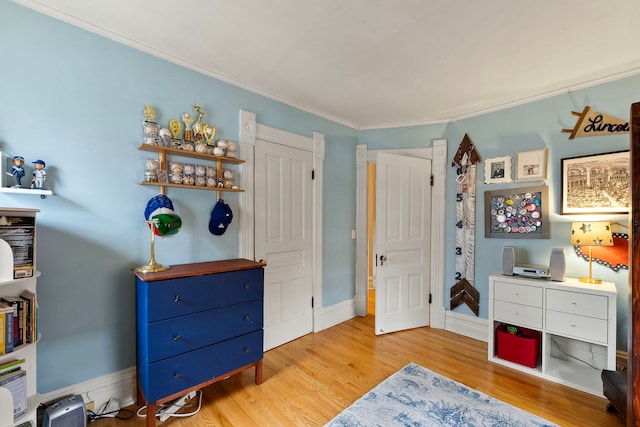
{"x":197,"y":126}
{"x":149,"y":126}
{"x":175,"y":127}
{"x":209,"y":132}
{"x":188,"y":120}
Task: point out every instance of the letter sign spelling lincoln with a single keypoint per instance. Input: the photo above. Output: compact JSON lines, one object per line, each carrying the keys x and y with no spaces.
{"x":592,"y":123}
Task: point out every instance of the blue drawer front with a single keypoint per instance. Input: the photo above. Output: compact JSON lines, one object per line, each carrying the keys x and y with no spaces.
{"x":177,"y":297}
{"x":185,"y":333}
{"x":178,"y":373}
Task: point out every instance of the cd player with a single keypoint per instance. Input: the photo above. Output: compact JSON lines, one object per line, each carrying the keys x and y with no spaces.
{"x":531,"y":270}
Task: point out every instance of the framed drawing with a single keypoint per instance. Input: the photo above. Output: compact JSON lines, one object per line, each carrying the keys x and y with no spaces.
{"x":531,"y":165}
{"x":497,"y":170}
{"x":517,"y":213}
{"x":596,"y":184}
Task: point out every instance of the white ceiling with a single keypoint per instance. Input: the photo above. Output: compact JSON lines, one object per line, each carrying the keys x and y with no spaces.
{"x":380,"y":63}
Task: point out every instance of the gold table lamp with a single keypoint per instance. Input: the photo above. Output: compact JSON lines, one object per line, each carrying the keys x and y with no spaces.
{"x":152,"y":266}
{"x":590,"y":234}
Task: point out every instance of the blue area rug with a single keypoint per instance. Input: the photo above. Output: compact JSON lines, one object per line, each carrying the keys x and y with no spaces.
{"x":415,"y":396}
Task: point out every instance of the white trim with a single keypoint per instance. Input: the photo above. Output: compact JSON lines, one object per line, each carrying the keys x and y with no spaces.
{"x":120,"y":385}
{"x":250,"y":131}
{"x":246,"y":170}
{"x":327,"y":317}
{"x":438,"y":156}
{"x":469,"y":326}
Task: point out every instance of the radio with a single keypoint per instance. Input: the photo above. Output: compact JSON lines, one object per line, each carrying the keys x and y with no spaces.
{"x":531,"y":270}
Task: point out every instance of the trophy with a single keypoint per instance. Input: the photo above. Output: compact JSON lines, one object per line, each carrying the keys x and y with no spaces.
{"x":209,"y":132}
{"x":188,"y":120}
{"x":149,"y":126}
{"x":197,"y":126}
{"x":175,"y":128}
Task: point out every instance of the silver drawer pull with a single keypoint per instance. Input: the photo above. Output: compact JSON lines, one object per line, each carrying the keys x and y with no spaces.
{"x":574,"y":303}
{"x":247,"y":318}
{"x":176,"y":298}
{"x":246,"y":350}
{"x":247,"y":286}
{"x":177,"y":375}
{"x":573,"y":326}
{"x":177,"y":338}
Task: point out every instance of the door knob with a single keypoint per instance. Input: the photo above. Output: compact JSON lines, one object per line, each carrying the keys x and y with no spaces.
{"x":383,"y":258}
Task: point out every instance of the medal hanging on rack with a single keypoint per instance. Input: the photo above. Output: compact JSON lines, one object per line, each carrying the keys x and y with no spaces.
{"x":464,"y":292}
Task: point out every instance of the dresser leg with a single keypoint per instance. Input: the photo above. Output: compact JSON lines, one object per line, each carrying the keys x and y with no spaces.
{"x":151,"y":414}
{"x":259,"y":372}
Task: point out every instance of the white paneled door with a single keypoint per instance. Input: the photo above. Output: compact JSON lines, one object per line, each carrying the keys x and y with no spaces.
{"x":283,"y":238}
{"x":403,"y":206}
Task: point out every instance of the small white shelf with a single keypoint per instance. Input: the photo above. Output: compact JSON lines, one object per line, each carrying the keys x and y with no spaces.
{"x":32,"y":191}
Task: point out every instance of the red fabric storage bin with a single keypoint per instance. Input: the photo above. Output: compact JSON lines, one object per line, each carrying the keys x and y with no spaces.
{"x":523,"y":348}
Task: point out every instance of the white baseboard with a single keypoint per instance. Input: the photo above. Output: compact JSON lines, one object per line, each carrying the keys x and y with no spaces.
{"x":326,"y":317}
{"x":468,"y":326}
{"x":119,"y":385}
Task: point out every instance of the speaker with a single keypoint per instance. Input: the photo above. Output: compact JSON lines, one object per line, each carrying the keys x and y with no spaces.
{"x":557,"y":265}
{"x":508,"y":260}
{"x":68,"y":412}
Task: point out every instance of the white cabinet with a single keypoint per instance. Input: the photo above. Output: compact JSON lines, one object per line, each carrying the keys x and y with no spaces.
{"x":576,"y":321}
{"x":14,"y":287}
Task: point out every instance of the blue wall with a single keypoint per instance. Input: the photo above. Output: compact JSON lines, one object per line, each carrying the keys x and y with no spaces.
{"x":75,"y":99}
{"x":505,"y":133}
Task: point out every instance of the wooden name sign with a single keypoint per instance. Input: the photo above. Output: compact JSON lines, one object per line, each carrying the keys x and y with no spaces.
{"x":592,"y":123}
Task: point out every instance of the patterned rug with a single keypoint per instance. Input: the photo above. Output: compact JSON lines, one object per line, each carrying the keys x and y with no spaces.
{"x":416,"y":396}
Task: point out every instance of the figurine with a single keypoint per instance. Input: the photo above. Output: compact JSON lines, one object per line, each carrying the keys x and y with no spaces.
{"x":17,"y":170}
{"x":39,"y":175}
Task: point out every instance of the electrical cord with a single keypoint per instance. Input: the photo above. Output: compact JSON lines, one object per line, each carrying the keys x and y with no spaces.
{"x":167,"y":405}
{"x":593,"y":366}
{"x":120,"y":414}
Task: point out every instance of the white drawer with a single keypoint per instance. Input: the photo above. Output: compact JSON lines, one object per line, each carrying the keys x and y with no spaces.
{"x":571,"y":325}
{"x":519,"y":294}
{"x":521,"y":315}
{"x":578,"y":303}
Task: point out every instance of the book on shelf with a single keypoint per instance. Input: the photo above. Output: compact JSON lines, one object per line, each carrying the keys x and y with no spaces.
{"x":6,"y":328}
{"x":31,"y":310}
{"x":9,"y":366}
{"x":18,"y":317}
{"x":16,"y":383}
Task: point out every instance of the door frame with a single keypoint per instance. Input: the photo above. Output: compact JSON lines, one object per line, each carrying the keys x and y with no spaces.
{"x":438,"y":156}
{"x":249,"y":131}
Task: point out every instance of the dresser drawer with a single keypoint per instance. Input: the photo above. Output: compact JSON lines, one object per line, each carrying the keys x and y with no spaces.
{"x":171,"y":337}
{"x":177,"y":297}
{"x":178,"y":373}
{"x":575,"y":326}
{"x":518,"y":314}
{"x":578,"y":303}
{"x":518,"y":294}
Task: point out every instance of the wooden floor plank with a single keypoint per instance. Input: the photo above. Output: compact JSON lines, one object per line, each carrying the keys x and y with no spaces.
{"x":310,"y":380}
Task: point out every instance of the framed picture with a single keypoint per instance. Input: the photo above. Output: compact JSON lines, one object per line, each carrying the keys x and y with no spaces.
{"x":517,"y":213}
{"x":531,"y":165}
{"x":497,"y":170}
{"x":596,"y":184}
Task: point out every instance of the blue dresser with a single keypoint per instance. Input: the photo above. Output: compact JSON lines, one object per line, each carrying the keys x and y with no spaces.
{"x":197,"y":324}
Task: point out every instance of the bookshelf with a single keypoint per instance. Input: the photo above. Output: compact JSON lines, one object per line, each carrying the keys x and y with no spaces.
{"x":23,"y":260}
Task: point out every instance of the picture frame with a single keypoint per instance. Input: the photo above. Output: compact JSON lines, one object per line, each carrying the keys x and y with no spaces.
{"x":531,"y":165}
{"x":497,"y":170}
{"x":596,"y":184}
{"x":517,"y":213}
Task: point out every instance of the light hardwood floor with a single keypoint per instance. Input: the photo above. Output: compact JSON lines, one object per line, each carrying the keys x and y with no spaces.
{"x":310,"y":380}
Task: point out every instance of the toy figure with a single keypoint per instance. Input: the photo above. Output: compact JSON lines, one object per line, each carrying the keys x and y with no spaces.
{"x":39,"y":175}
{"x":17,"y":170}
